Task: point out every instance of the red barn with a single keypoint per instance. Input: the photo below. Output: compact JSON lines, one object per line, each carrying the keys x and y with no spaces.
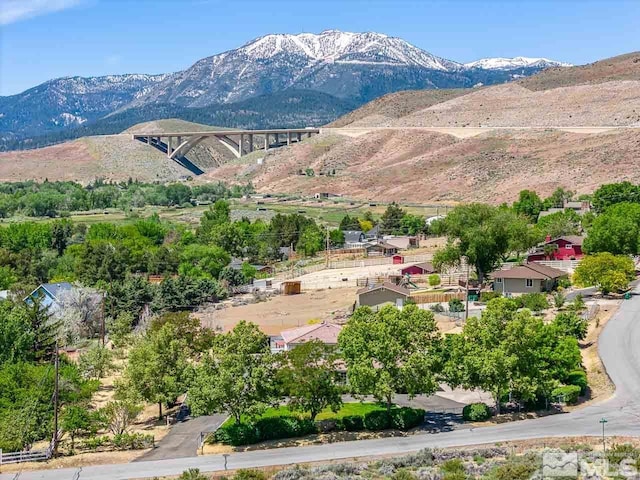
{"x":561,"y":248}
{"x":424,"y":268}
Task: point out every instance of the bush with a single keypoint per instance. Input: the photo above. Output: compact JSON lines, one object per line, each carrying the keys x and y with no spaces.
{"x":569,"y":393}
{"x":578,"y":378}
{"x":249,"y":475}
{"x":434,"y":280}
{"x":535,"y":302}
{"x":406,"y":418}
{"x":93,"y":443}
{"x":476,"y":412}
{"x":377,"y":420}
{"x":133,"y":441}
{"x":351,"y":423}
{"x":236,"y":434}
{"x":456,"y":305}
{"x":192,"y":474}
{"x":489,"y":295}
{"x":273,"y":428}
{"x":436,"y":307}
{"x":270,"y":428}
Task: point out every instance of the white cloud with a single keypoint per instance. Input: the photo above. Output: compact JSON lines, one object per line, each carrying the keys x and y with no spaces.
{"x":15,"y":10}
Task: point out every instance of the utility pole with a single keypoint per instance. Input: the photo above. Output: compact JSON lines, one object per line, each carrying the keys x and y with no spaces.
{"x":466,"y":308}
{"x":56,"y":400}
{"x":326,"y":262}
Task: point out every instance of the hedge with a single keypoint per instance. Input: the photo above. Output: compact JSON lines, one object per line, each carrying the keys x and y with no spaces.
{"x":350,"y":423}
{"x":476,"y":412}
{"x":273,"y":428}
{"x":579,"y":378}
{"x":569,"y":393}
{"x":489,"y":295}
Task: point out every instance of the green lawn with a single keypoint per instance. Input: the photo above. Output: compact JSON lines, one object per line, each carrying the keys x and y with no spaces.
{"x":352,"y":408}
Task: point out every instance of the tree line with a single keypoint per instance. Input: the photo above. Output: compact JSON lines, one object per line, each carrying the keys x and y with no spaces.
{"x":53,"y":199}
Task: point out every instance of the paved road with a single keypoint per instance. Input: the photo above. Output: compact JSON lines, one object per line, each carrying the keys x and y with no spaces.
{"x":183,"y":439}
{"x":619,"y":351}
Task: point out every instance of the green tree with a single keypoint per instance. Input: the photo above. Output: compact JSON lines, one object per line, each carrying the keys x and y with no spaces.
{"x":529,"y":205}
{"x":236,"y":377}
{"x":609,"y":273}
{"x":391,"y":351}
{"x":120,"y":329}
{"x":616,"y":231}
{"x":7,"y":277}
{"x":412,"y":224}
{"x":311,"y":240}
{"x":158,"y":368}
{"x":391,"y":221}
{"x":570,"y":324}
{"x":336,"y":238}
{"x":308,"y":378}
{"x":349,"y":223}
{"x":96,"y":362}
{"x":75,"y":421}
{"x":61,"y":232}
{"x":17,"y":337}
{"x":202,"y":261}
{"x":481,"y":233}
{"x":434,"y":280}
{"x":120,"y":415}
{"x":613,"y":193}
{"x":558,"y":197}
{"x":558,"y":224}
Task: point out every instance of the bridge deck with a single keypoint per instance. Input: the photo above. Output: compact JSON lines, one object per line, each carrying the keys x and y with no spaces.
{"x":214,"y":133}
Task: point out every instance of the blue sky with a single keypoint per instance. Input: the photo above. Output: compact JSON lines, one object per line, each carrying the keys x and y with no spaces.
{"x":44,"y":39}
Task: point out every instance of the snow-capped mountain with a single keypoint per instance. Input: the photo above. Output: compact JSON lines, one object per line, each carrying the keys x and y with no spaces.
{"x":69,"y":101}
{"x":514,"y":63}
{"x":353,"y":67}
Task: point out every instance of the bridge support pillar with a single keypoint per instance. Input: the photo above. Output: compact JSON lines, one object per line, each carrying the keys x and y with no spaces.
{"x":266,"y":142}
{"x":241,"y":144}
{"x":250,"y":142}
{"x":169,"y":147}
{"x":288,"y":138}
{"x":299,"y":135}
{"x":149,"y":139}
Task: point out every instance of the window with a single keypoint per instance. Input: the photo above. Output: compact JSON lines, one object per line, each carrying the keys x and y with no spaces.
{"x":529,"y":282}
{"x":498,"y":280}
{"x":568,"y":246}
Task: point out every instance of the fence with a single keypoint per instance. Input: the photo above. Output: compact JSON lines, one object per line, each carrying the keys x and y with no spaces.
{"x":421,"y":298}
{"x":25,"y":456}
{"x":564,"y":265}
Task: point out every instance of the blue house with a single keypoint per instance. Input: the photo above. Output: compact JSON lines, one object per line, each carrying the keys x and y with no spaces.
{"x":51,"y":295}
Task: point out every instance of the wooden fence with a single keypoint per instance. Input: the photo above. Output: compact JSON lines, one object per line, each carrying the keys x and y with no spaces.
{"x":421,"y":298}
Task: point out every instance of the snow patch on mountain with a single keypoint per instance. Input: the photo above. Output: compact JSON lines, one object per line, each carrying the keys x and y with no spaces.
{"x":515,"y":62}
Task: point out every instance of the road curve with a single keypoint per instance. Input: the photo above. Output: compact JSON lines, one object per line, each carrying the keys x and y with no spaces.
{"x":618,"y":349}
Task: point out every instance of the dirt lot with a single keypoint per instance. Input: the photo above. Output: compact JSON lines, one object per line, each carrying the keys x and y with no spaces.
{"x":282,"y":312}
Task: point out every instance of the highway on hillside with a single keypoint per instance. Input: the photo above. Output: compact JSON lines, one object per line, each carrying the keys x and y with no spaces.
{"x":618,"y":346}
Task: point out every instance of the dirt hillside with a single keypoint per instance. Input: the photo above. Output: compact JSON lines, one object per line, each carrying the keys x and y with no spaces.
{"x":416,"y":166}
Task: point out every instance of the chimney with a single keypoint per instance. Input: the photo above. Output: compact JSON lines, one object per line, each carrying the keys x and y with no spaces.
{"x":547,"y":239}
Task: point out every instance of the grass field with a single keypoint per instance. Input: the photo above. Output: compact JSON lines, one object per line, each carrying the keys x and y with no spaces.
{"x":351,"y":408}
{"x":328,"y":212}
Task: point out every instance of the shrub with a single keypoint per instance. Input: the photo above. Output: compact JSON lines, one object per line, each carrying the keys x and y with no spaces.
{"x":558,"y":299}
{"x":377,"y":420}
{"x":454,"y":465}
{"x":535,"y":302}
{"x":405,"y":418}
{"x":236,"y":434}
{"x":273,"y":428}
{"x":249,"y":475}
{"x":133,"y":441}
{"x":489,"y":295}
{"x":351,"y":423}
{"x":403,"y":475}
{"x":192,"y":474}
{"x":621,"y":452}
{"x":476,"y":412}
{"x":569,"y":393}
{"x":436,"y":307}
{"x":434,"y":280}
{"x":93,"y":443}
{"x":456,"y":305}
{"x":579,"y":378}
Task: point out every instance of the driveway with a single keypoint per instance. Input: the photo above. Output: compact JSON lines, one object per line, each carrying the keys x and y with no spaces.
{"x":618,"y":347}
{"x":183,"y":440}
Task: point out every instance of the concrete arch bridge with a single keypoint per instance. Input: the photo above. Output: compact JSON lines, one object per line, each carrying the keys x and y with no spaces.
{"x":239,"y":142}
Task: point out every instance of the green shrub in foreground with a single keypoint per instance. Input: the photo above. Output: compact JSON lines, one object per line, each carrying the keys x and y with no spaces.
{"x":406,"y":418}
{"x":377,"y":420}
{"x":569,"y":393}
{"x":350,"y":423}
{"x":476,"y":412}
{"x":578,"y":378}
